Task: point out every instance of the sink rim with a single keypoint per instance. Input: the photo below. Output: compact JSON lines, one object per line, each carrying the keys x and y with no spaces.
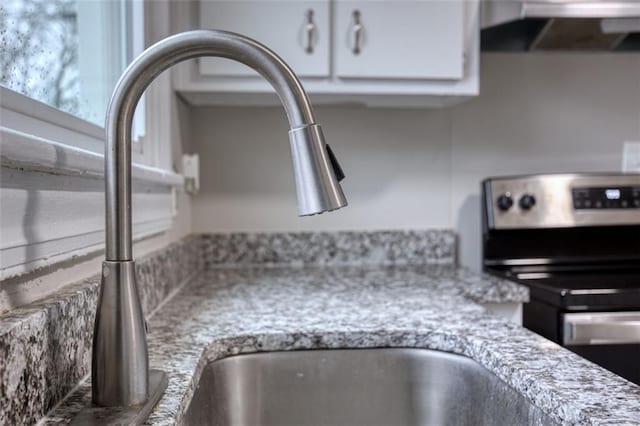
{"x":441,"y":355}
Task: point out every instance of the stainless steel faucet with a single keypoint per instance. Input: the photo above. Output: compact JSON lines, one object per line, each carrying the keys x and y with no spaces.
{"x":120,"y":367}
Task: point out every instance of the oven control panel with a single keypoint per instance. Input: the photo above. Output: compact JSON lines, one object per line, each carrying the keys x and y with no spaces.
{"x":562,"y":200}
{"x":619,"y":197}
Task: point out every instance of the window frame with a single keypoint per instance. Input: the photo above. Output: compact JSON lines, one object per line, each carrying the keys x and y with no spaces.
{"x":44,"y":144}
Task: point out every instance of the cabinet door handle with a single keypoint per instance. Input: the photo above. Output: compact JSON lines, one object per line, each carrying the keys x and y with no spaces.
{"x":310,"y":32}
{"x":358,"y":31}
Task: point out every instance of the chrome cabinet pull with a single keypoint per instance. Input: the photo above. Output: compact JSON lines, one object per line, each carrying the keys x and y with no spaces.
{"x":310,"y":32}
{"x":358,"y":30}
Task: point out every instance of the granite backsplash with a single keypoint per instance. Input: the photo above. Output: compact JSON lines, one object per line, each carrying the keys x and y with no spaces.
{"x":343,"y":248}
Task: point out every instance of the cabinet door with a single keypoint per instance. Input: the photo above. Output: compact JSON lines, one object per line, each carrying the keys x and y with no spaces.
{"x":298,"y":31}
{"x":404,"y":39}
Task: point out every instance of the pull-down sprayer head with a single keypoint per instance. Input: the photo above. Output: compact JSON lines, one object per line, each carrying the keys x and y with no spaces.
{"x":316,"y":171}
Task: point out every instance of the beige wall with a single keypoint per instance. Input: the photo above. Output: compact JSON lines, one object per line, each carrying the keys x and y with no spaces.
{"x":419,"y":168}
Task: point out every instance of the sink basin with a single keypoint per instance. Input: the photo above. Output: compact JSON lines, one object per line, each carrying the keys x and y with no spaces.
{"x":356,"y":387}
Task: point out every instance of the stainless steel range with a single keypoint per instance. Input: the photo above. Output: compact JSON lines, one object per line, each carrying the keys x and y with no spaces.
{"x":574,"y":240}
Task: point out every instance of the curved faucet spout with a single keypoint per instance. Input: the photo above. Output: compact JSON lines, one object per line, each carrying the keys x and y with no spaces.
{"x":140,"y":74}
{"x":120,"y":367}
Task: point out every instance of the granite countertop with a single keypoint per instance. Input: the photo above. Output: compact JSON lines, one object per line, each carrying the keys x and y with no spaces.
{"x":225,"y":311}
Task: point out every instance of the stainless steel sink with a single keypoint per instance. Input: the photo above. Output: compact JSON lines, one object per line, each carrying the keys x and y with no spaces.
{"x":356,"y":387}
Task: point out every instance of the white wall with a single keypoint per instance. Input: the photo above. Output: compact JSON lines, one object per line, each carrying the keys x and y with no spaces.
{"x":419,"y":168}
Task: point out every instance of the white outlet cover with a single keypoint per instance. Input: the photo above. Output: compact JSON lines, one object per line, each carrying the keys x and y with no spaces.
{"x":631,"y":157}
{"x":191,"y":173}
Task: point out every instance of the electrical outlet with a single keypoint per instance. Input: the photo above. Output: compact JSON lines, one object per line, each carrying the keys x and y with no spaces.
{"x":191,"y":173}
{"x":631,"y":157}
{"x":174,"y":201}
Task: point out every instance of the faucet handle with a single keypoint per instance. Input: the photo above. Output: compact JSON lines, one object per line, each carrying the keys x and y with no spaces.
{"x":337,"y":169}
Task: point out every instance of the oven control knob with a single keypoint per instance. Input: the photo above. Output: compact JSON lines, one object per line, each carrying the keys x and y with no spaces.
{"x":527,"y":201}
{"x":505,"y":202}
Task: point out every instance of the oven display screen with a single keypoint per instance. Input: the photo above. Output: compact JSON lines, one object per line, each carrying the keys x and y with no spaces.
{"x":624,"y":197}
{"x":612,"y":194}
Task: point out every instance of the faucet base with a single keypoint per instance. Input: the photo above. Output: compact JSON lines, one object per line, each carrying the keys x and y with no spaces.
{"x":136,"y":415}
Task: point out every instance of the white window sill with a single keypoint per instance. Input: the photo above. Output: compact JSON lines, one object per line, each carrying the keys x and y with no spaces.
{"x":32,"y":153}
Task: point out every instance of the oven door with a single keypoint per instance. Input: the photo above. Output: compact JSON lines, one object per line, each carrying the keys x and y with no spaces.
{"x":610,"y":339}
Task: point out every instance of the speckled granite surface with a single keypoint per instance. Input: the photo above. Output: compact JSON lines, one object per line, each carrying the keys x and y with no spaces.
{"x":230,"y":311}
{"x":45,"y":347}
{"x":330,"y":248}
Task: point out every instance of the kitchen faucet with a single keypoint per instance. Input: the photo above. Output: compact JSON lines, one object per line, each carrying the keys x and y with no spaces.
{"x":120,"y":370}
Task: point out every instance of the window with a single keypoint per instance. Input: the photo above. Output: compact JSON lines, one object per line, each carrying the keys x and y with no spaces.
{"x":70,"y":53}
{"x":40,"y":51}
{"x":60,"y":62}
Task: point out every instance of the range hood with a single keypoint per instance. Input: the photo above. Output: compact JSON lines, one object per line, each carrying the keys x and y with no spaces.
{"x":591,"y":25}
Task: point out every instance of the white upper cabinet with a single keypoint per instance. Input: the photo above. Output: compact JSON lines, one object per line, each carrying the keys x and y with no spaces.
{"x":403,"y":53}
{"x":297,"y":30}
{"x":412,"y":39}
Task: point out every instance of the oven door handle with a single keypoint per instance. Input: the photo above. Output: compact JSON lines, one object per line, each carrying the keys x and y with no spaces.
{"x":601,"y":328}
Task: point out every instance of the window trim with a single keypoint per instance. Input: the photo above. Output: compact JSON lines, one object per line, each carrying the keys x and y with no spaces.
{"x":40,"y":160}
{"x":33,"y":153}
{"x":37,"y":112}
